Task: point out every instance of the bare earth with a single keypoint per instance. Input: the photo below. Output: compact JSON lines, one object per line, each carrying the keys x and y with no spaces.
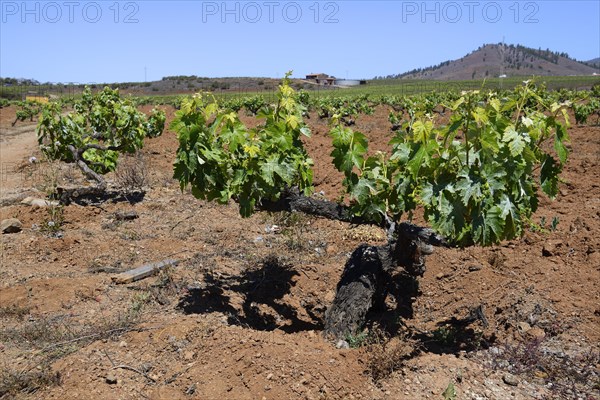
{"x":241,"y":316}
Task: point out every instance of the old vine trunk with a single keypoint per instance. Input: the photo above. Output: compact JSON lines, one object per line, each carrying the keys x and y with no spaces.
{"x":366,"y":275}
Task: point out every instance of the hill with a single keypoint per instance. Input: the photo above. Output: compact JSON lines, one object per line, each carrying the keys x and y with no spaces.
{"x":594,"y":63}
{"x":493,"y":60}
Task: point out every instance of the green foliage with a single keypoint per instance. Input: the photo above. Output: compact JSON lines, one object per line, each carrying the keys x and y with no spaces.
{"x":26,"y":111}
{"x":357,"y":340}
{"x":253,"y":104}
{"x":100,"y":127}
{"x":474,"y":177}
{"x":344,"y":108}
{"x":542,"y":227}
{"x":445,"y":335}
{"x":450,"y":392}
{"x":53,"y":223}
{"x":584,"y":111}
{"x":477,"y":178}
{"x":222,"y":159}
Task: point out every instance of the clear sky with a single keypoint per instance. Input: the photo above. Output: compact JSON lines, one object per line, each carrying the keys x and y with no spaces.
{"x":119,"y":41}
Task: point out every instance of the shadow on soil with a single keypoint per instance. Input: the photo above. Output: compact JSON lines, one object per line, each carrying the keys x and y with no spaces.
{"x":88,"y":196}
{"x":451,"y":335}
{"x":262,"y":290}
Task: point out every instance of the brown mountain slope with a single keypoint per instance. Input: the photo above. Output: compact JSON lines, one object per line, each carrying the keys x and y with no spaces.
{"x":595,"y":62}
{"x":493,"y":60}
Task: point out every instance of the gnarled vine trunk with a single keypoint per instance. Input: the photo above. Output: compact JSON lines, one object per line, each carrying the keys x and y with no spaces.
{"x":367,"y":273}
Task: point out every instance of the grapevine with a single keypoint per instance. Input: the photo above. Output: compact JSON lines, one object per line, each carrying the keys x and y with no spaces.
{"x":475,"y":178}
{"x":100,"y":128}
{"x":222,"y":159}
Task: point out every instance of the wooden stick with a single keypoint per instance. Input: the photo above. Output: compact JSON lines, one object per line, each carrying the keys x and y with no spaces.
{"x":143,"y":272}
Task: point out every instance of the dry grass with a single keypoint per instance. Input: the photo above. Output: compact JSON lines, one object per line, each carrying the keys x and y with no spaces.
{"x":131,"y":174}
{"x":43,"y":340}
{"x":13,"y":383}
{"x":14,"y":311}
{"x":387,"y":355}
{"x":567,"y":375}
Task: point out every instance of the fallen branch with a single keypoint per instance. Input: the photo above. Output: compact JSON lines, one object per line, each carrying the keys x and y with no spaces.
{"x":95,"y":335}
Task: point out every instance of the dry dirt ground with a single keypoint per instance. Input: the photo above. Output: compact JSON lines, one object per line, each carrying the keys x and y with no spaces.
{"x":241,"y":315}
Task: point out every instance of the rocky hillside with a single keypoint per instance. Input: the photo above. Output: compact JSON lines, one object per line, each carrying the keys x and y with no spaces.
{"x":493,"y":60}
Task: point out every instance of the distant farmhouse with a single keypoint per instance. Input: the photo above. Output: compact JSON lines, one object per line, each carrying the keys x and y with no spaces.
{"x":326,"y":80}
{"x":321,"y":79}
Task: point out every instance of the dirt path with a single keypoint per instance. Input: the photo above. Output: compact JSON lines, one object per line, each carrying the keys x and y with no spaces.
{"x":17,"y":145}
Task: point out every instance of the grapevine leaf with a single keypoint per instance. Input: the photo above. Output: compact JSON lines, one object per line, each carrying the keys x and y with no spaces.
{"x":510,"y":215}
{"x":488,"y":226}
{"x":292,"y":121}
{"x":401,"y":153}
{"x":363,"y":190}
{"x":246,"y":206}
{"x":468,"y":189}
{"x":421,"y":130}
{"x":414,"y":165}
{"x":559,"y":139}
{"x":494,"y":177}
{"x":489,"y":141}
{"x":274,"y":166}
{"x":427,"y":193}
{"x":344,"y":161}
{"x":549,"y":176}
{"x":305,"y":131}
{"x":451,"y":131}
{"x":516,"y":142}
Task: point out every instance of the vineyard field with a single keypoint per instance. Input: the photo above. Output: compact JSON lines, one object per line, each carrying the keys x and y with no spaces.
{"x":242,"y":313}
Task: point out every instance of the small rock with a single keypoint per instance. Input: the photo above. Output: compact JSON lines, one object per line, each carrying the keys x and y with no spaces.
{"x":510,"y":380}
{"x":11,"y":225}
{"x":523,"y":327}
{"x":272,"y":229}
{"x":40,"y":203}
{"x":552,"y":248}
{"x":342,"y":344}
{"x":126,"y":215}
{"x":110,"y":379}
{"x":191,"y":389}
{"x":146,"y":367}
{"x":123,"y":343}
{"x":536,"y":333}
{"x":474,"y":268}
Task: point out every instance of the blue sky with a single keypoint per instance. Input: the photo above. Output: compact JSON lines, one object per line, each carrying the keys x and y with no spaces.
{"x":117,"y":41}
